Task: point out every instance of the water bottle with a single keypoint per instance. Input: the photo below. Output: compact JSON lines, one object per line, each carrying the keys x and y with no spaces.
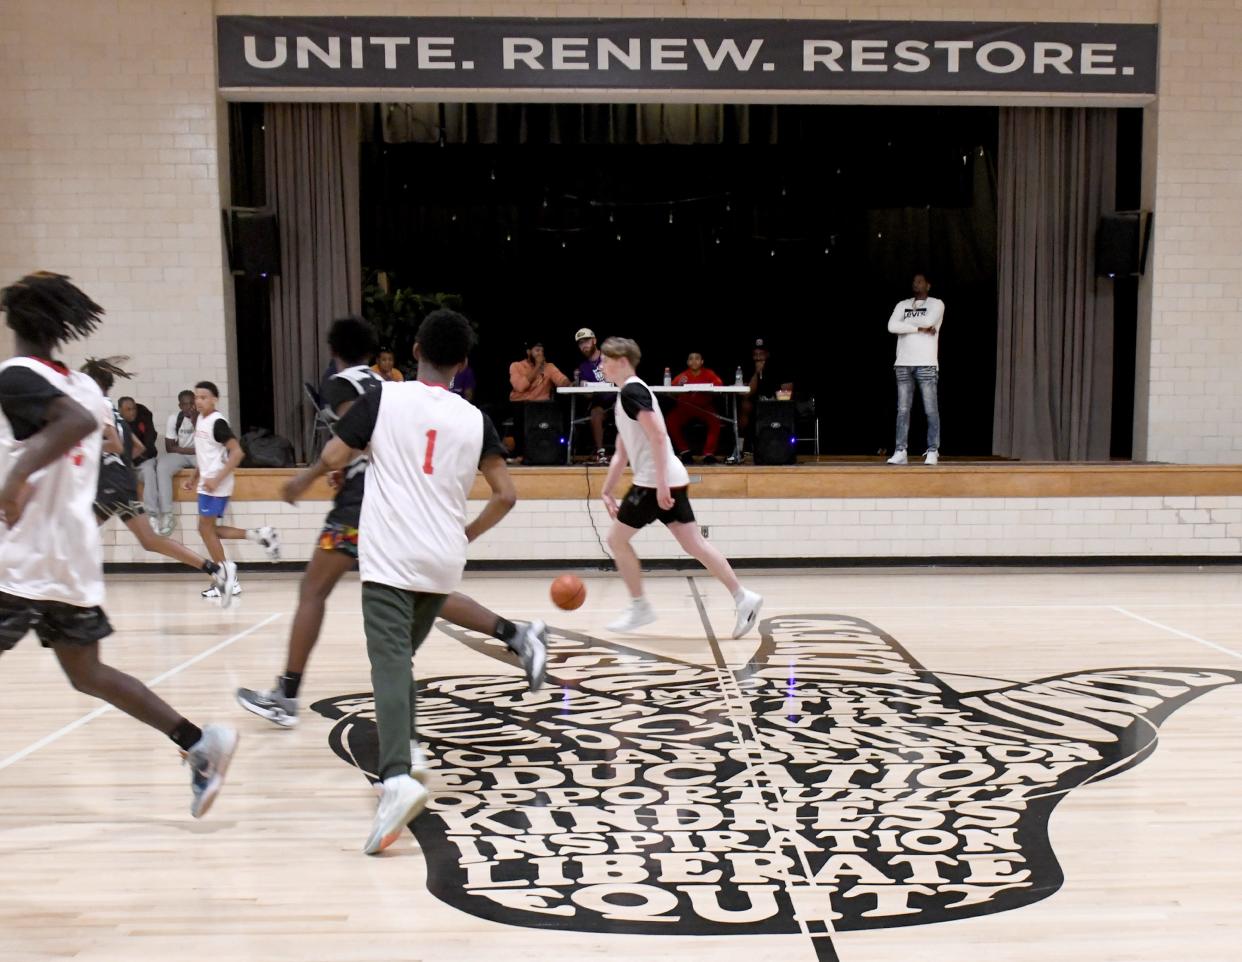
{"x":737,"y":377}
{"x":668,"y":378}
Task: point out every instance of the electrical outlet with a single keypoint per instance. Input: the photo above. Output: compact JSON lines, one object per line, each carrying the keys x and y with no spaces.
{"x":705,"y":529}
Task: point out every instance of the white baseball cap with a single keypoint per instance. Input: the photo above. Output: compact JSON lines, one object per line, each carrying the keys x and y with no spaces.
{"x":583,"y":334}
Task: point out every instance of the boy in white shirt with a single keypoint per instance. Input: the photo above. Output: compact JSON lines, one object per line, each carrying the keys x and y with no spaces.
{"x":659,"y":493}
{"x":217,"y":453}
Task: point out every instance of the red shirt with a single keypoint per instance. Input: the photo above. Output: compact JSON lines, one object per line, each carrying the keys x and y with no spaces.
{"x":705,"y":376}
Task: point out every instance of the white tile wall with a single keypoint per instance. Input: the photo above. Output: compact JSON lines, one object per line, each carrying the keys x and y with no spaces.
{"x":561,"y":531}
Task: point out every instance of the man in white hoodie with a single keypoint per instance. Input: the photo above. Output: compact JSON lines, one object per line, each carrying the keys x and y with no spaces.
{"x":916,"y":322}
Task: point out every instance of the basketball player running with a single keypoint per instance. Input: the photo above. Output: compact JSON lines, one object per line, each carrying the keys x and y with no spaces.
{"x":659,"y":493}
{"x":217,"y":453}
{"x":51,"y":565}
{"x":117,"y":493}
{"x":352,"y":342}
{"x":426,"y":444}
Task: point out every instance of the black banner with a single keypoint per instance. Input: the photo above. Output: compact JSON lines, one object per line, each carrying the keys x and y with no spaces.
{"x":744,"y":55}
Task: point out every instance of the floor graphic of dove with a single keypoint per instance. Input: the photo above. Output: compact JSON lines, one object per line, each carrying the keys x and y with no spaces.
{"x":832,"y":783}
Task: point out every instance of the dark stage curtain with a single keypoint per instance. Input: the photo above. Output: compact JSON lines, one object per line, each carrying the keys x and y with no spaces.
{"x":312,"y":182}
{"x":1054,"y":349}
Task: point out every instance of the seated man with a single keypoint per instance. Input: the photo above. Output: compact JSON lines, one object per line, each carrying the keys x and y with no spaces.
{"x":768,"y":381}
{"x":694,"y":407}
{"x":178,"y":455}
{"x":142,"y":425}
{"x":600,"y":404}
{"x":531,"y":379}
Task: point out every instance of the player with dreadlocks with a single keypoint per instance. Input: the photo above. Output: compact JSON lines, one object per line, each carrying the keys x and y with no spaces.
{"x":51,"y":567}
{"x":117,"y":495}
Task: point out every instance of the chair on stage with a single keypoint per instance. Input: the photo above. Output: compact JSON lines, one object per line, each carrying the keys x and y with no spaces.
{"x":806,"y":423}
{"x":320,"y":428}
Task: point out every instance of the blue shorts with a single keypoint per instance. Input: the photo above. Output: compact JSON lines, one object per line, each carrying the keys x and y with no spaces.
{"x":212,"y":507}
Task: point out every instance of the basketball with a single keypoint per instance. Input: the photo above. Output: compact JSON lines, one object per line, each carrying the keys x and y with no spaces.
{"x":568,"y":592}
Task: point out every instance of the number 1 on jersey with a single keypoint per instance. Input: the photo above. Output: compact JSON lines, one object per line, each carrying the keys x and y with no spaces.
{"x":428,"y":467}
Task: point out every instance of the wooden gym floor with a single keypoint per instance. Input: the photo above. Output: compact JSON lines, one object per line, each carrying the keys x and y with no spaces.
{"x":878,"y":778}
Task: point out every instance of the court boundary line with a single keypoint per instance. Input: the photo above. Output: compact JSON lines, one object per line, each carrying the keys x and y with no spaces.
{"x":105,"y":708}
{"x":1177,"y":631}
{"x":821,"y":942}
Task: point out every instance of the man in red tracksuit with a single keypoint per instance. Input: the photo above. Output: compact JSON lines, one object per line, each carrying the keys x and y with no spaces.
{"x":694,"y":407}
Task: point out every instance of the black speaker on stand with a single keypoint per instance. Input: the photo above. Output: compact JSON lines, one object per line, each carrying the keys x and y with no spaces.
{"x":775,"y":437}
{"x":545,"y":433}
{"x":254,"y":241}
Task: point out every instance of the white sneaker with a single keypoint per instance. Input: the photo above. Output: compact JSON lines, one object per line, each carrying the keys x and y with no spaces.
{"x":214,"y":591}
{"x":638,"y":613}
{"x":747,"y":612}
{"x":226,"y":580}
{"x":209,"y":763}
{"x":899,"y":457}
{"x":931,"y":457}
{"x":531,"y":646}
{"x":268,"y":537}
{"x":402,"y":801}
{"x":420,"y":767}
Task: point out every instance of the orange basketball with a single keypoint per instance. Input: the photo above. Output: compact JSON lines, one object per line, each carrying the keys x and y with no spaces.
{"x":568,"y":592}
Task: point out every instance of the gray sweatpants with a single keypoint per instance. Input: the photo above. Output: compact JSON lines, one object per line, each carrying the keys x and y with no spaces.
{"x":169,"y":464}
{"x":396,"y":622}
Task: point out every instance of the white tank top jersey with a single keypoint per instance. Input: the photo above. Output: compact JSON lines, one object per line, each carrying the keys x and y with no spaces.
{"x":53,"y":553}
{"x":211,"y":455}
{"x":424,"y":456}
{"x":642,"y":462}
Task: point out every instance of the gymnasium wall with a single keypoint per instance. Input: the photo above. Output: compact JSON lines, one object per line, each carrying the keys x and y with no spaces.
{"x":112,"y":156}
{"x":774,"y":528}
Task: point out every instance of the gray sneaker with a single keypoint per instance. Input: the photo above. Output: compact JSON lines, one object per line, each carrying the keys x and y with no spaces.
{"x":268,"y":538}
{"x":209,"y":762}
{"x":531,"y":646}
{"x":271,"y":705}
{"x":226,"y":580}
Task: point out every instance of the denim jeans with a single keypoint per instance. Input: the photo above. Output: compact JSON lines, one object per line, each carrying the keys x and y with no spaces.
{"x":928,"y":377}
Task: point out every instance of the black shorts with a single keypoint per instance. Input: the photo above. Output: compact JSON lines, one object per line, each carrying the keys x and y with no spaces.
{"x":117,"y":496}
{"x":55,"y":622}
{"x":117,"y":508}
{"x":639,"y":508}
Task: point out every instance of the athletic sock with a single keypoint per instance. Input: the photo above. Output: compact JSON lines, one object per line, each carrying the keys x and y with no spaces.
{"x":210,"y":567}
{"x":186,"y":735}
{"x":505,"y":631}
{"x":739,"y":595}
{"x":290,"y":682}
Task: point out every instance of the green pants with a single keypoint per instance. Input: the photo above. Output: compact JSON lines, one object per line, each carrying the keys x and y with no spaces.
{"x":396,"y":622}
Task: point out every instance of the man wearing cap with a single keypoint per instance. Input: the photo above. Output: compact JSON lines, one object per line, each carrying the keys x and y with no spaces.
{"x":531,"y":379}
{"x":768,"y":381}
{"x":591,"y":371}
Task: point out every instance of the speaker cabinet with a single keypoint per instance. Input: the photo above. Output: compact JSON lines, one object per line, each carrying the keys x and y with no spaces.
{"x":545,"y":433}
{"x":1121,"y":241}
{"x":254,"y":247}
{"x":774,"y":433}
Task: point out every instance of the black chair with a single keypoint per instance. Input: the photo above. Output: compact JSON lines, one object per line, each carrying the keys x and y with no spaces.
{"x":806,"y":423}
{"x":320,"y":428}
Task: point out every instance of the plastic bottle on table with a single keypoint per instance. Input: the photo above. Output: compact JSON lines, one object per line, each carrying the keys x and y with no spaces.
{"x":668,"y":378}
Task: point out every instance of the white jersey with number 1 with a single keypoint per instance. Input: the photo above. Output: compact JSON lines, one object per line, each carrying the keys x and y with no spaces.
{"x":425,"y":451}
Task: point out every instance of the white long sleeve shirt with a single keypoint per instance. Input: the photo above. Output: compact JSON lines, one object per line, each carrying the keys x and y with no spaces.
{"x":914,"y":348}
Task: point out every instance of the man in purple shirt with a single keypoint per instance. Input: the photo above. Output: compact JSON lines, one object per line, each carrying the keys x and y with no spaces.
{"x":464,"y":382}
{"x":591,"y":371}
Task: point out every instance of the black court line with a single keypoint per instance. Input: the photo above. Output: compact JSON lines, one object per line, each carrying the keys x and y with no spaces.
{"x":821,"y":941}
